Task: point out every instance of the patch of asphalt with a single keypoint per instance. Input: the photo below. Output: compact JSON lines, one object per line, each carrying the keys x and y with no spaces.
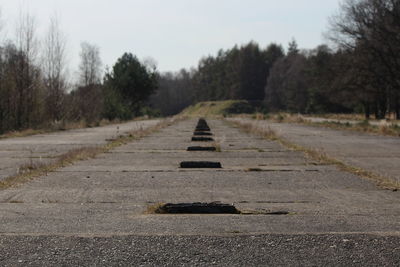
{"x":250,"y":250}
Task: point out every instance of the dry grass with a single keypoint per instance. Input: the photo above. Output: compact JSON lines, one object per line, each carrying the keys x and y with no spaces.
{"x":32,"y":170}
{"x":156,"y":209}
{"x":23,"y":133}
{"x":386,"y":128}
{"x":353,"y":116}
{"x":275,"y":117}
{"x":350,"y":117}
{"x":217,"y":109}
{"x":320,"y":157}
{"x":78,"y":154}
{"x":56,"y":126}
{"x":263,"y":131}
{"x":363,"y":126}
{"x":31,"y":166}
{"x":218,"y":140}
{"x":257,"y":116}
{"x":217,"y":147}
{"x":28,"y":172}
{"x":287,"y":117}
{"x":63,"y":126}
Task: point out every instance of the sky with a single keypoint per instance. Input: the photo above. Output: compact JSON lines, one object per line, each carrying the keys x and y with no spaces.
{"x":176,"y":33}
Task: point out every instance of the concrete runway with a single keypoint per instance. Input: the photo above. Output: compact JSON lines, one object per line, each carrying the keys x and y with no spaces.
{"x":378,"y":154}
{"x":43,"y":148}
{"x":94,"y":212}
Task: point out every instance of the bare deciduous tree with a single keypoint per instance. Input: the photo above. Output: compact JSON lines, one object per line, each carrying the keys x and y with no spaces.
{"x":90,"y":66}
{"x":371,"y":29}
{"x":28,"y":75}
{"x":26,"y":39}
{"x":54,"y":69}
{"x":88,"y":97}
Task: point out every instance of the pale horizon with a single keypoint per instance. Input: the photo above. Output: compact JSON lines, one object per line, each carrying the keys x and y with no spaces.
{"x":178,"y":33}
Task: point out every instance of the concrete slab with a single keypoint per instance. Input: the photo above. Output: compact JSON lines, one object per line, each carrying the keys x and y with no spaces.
{"x":15,"y":152}
{"x":378,"y":154}
{"x":108,"y":197}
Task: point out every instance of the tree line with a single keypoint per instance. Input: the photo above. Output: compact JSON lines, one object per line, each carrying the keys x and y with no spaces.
{"x":36,"y":90}
{"x":358,"y":73}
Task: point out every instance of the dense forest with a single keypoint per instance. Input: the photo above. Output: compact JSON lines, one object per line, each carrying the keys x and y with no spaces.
{"x":358,"y":72}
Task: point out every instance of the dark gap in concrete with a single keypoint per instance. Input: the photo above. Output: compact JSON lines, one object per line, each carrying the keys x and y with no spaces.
{"x":200,"y":164}
{"x":202,"y":122}
{"x":206,"y":208}
{"x":196,"y":208}
{"x":263,"y":212}
{"x":201,"y":148}
{"x":202,"y":133}
{"x":202,"y":139}
{"x":202,"y":129}
{"x":277,"y":213}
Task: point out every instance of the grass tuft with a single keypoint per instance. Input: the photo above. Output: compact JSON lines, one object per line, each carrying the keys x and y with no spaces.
{"x":22,"y":133}
{"x":157,"y":208}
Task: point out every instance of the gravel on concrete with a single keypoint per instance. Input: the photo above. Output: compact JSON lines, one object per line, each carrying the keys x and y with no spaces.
{"x":233,"y":250}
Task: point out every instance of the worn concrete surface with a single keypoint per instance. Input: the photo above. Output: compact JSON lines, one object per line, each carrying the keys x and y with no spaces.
{"x":378,"y":154}
{"x":42,"y":148}
{"x":94,"y":212}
